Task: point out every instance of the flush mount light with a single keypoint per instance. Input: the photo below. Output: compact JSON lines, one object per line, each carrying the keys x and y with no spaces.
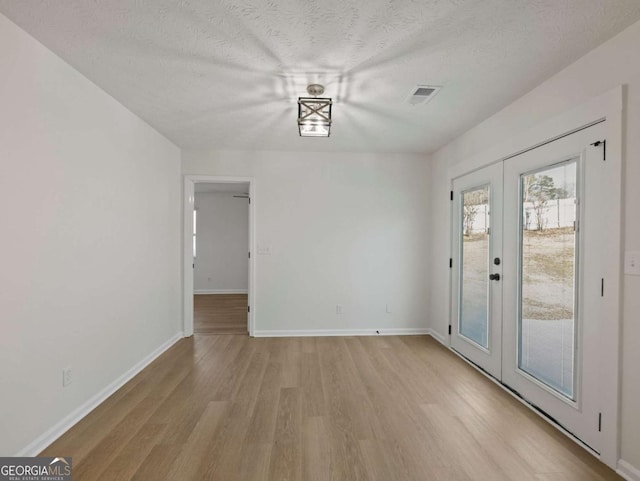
{"x":314,"y":113}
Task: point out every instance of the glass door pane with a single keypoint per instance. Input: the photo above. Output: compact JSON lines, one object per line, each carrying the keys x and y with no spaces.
{"x":474,"y":287}
{"x":548,"y":254}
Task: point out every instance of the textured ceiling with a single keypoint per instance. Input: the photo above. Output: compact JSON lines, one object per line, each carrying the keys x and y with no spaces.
{"x":226,"y":74}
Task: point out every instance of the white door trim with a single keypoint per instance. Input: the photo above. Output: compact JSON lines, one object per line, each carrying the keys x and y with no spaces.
{"x":187,"y":256}
{"x":609,"y":106}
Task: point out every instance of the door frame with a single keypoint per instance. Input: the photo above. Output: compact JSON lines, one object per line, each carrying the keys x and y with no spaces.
{"x":187,"y":248}
{"x":610,"y":107}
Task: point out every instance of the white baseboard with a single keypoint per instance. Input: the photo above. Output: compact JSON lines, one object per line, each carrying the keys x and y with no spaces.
{"x":343,"y":332}
{"x":220,"y":291}
{"x":62,"y":426}
{"x":628,"y":471}
{"x":438,"y":337}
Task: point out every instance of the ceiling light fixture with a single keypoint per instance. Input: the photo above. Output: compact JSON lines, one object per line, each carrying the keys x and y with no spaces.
{"x":314,"y":113}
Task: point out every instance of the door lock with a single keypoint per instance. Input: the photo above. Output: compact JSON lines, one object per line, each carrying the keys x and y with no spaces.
{"x":494,"y":277}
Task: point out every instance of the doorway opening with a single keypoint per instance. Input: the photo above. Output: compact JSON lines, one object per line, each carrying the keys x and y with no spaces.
{"x":217,"y":255}
{"x":221,"y":262}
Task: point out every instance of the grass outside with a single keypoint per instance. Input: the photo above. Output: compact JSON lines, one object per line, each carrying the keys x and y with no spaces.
{"x":548,"y":267}
{"x":548,"y":263}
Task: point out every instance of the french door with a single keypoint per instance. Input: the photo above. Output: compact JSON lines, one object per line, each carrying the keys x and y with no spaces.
{"x":527,"y":282}
{"x":476,"y":288}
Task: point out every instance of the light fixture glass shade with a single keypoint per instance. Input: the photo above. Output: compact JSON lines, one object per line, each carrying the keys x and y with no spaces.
{"x":314,"y":116}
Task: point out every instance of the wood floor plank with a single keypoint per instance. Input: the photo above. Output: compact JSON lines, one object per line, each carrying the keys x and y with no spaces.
{"x":291,"y":363}
{"x":498,"y":448}
{"x":157,"y":463}
{"x":317,"y":456}
{"x":313,"y":395}
{"x":351,"y":410}
{"x":220,"y":313}
{"x":105,"y":452}
{"x":377,"y":462}
{"x":229,"y":454}
{"x":194,"y":455}
{"x":286,"y":454}
{"x":182,"y":409}
{"x":398,"y":414}
{"x":228,"y":384}
{"x":220,"y":408}
{"x":262,"y":425}
{"x":256,"y":465}
{"x":470,"y":455}
{"x":124,"y":466}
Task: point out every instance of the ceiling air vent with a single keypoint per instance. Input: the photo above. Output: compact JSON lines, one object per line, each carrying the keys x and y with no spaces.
{"x":421,"y":94}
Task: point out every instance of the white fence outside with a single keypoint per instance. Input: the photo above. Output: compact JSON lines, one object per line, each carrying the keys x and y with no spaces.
{"x":555,"y":214}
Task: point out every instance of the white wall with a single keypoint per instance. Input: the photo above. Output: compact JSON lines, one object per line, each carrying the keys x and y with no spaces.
{"x":612,"y":64}
{"x":222,"y":243}
{"x":90,"y":239}
{"x":348,"y":229}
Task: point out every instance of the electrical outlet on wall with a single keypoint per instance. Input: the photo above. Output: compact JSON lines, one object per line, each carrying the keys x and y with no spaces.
{"x":66,"y":376}
{"x":339,"y":309}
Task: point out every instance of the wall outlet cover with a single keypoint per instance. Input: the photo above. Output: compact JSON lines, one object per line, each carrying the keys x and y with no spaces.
{"x":632,"y":263}
{"x":264,"y":250}
{"x":66,"y":376}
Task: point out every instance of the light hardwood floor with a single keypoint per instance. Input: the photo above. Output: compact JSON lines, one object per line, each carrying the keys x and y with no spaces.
{"x":220,"y":313}
{"x":372,"y":408}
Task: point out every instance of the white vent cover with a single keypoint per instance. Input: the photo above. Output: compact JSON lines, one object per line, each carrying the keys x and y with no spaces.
{"x":421,"y":94}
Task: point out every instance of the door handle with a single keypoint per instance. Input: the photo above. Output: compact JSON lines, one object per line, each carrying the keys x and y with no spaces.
{"x":494,"y":277}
